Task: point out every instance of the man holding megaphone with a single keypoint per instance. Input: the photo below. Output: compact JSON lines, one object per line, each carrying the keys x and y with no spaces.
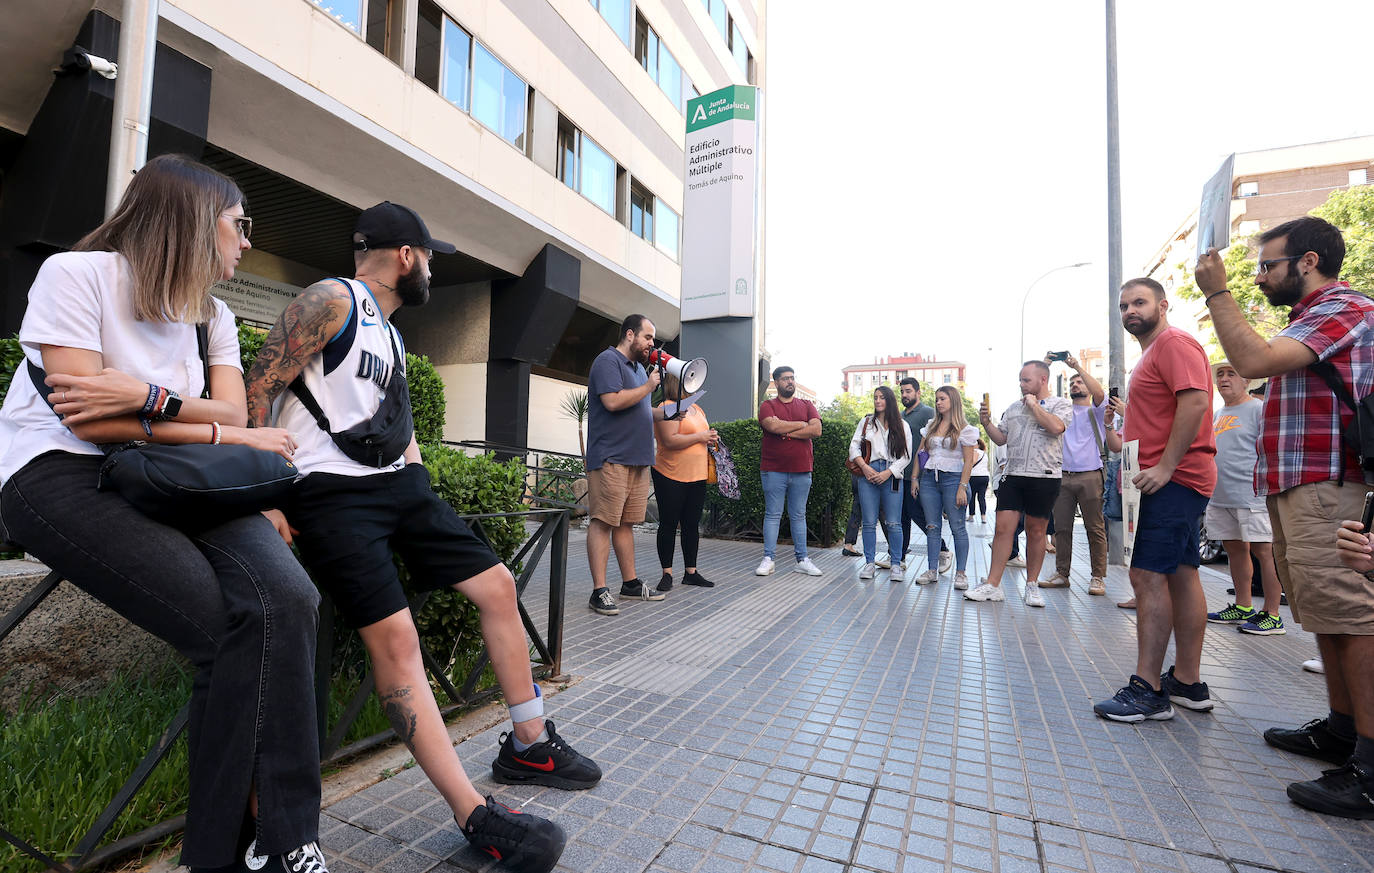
{"x":620,"y":451}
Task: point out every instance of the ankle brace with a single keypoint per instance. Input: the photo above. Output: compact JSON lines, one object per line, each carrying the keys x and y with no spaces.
{"x":532,"y":708}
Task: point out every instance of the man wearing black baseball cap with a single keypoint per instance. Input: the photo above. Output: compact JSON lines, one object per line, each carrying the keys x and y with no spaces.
{"x":335,"y":367}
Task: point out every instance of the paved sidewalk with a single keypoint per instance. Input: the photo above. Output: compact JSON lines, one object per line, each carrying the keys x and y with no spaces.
{"x":828,"y":724}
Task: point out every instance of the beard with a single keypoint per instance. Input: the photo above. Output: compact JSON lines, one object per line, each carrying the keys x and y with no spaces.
{"x":1286,"y":291}
{"x":786,"y":391}
{"x":1075,"y":394}
{"x":413,"y":287}
{"x":907,"y":404}
{"x":1141,"y":327}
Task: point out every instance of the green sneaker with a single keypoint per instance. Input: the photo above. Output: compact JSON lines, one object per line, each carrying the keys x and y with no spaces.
{"x":1264,"y":625}
{"x":1232,"y":614}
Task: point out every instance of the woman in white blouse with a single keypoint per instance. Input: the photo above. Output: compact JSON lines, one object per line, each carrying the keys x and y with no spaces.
{"x":881,"y":485}
{"x":944,"y":488}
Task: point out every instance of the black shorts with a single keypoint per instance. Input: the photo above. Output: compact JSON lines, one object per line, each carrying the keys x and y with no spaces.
{"x":350,"y":525}
{"x":1033,"y":496}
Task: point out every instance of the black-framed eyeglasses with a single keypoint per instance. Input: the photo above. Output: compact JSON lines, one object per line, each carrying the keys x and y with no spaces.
{"x":244,"y":224}
{"x":1264,"y":266}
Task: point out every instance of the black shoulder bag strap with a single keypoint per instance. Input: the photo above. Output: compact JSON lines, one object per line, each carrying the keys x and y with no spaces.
{"x":38,"y":376}
{"x":1097,"y":435}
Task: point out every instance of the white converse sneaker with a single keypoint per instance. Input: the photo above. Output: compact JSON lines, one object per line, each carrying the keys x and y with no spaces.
{"x":883,"y":562}
{"x":868,"y":572}
{"x":810,"y":569}
{"x":765,"y":567}
{"x":927,"y":577}
{"x":993,"y":593}
{"x":1033,"y":596}
{"x":946,"y":561}
{"x":960,"y":582}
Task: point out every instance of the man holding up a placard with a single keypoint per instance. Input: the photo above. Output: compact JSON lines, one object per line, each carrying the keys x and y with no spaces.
{"x":1170,"y":419}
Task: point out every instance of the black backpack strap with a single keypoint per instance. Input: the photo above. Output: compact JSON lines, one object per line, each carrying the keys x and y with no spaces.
{"x":1326,"y":371}
{"x":203,"y":349}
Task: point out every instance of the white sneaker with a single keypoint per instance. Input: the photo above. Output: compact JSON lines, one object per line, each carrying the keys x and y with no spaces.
{"x":927,"y":577}
{"x":1097,"y":585}
{"x":986,"y":592}
{"x":960,"y":582}
{"x":868,"y":572}
{"x":810,"y":569}
{"x":765,"y":567}
{"x":901,"y":568}
{"x":883,"y":562}
{"x":1017,"y":561}
{"x":946,"y":561}
{"x":1033,"y":597}
{"x":1314,"y":665}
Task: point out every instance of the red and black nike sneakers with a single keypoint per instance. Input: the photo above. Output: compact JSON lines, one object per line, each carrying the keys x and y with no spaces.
{"x":553,"y":763}
{"x":524,"y":843}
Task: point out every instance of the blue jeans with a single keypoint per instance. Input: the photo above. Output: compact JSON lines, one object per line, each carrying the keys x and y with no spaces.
{"x":939,"y":493}
{"x":871,"y":497}
{"x":792,"y":488}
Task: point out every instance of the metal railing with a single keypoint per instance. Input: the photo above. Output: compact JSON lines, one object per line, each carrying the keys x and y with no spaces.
{"x":543,"y":482}
{"x":549,"y":540}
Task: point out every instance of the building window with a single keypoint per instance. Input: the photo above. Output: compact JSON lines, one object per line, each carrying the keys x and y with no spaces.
{"x":349,"y":13}
{"x":499,"y":97}
{"x":739,"y":49}
{"x":457,"y":56}
{"x":641,"y":212}
{"x":1359,"y":177}
{"x":658,"y":62}
{"x":720,"y":16}
{"x":617,"y":15}
{"x":378,"y":15}
{"x":584,"y":167}
{"x":666,"y":229}
{"x":429,"y":37}
{"x":948,"y":378}
{"x":1249,"y":189}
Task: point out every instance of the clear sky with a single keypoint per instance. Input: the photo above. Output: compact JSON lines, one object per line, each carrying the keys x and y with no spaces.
{"x":927,"y":161}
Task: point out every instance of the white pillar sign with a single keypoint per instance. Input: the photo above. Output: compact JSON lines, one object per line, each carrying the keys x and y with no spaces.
{"x":720,"y":206}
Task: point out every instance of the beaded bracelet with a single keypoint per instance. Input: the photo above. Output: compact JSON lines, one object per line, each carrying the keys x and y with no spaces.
{"x":214,"y":425}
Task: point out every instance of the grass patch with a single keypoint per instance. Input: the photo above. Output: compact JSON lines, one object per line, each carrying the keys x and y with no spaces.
{"x":64,"y":758}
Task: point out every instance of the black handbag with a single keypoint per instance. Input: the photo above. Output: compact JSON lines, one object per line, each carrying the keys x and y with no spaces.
{"x":191,"y":486}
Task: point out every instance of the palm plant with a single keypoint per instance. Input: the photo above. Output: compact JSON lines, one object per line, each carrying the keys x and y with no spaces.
{"x":574,"y":406}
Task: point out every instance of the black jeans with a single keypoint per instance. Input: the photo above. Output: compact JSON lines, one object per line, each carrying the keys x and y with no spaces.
{"x":237,"y":604}
{"x":679,"y":505}
{"x":979,"y":486}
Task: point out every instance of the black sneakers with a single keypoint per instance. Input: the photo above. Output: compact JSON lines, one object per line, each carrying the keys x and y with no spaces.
{"x":553,"y":763}
{"x":525,"y":843}
{"x":1314,"y":740}
{"x":1346,"y":791}
{"x":698,"y":580}
{"x":636,"y":589}
{"x":602,"y":602}
{"x":1194,"y":696}
{"x":306,"y":859}
{"x":665,"y":582}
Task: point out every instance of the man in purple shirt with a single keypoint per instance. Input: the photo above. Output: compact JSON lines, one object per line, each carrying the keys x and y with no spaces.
{"x":1081,"y":489}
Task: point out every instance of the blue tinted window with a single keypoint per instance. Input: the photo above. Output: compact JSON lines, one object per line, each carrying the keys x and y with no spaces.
{"x":598,"y":176}
{"x":457,"y":52}
{"x":739,"y":49}
{"x":498,"y":97}
{"x":349,"y":12}
{"x":721,"y":16}
{"x":669,"y":76}
{"x":666,"y":228}
{"x":617,"y":15}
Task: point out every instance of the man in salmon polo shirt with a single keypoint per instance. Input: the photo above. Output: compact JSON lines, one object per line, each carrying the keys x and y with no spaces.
{"x":789,"y":424}
{"x":1169,"y":410}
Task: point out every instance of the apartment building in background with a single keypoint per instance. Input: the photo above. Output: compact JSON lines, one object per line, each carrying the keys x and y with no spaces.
{"x":1269,"y":187}
{"x":545,"y":138}
{"x":861,"y":379}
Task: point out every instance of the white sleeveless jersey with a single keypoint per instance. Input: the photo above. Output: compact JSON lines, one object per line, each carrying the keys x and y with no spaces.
{"x":348,"y":380}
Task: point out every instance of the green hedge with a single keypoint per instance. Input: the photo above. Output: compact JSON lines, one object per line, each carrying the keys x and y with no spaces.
{"x":827,"y":508}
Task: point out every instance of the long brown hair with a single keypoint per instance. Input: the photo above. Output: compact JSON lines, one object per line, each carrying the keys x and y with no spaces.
{"x":947,"y":425}
{"x":167,"y":227}
{"x":892,"y":420}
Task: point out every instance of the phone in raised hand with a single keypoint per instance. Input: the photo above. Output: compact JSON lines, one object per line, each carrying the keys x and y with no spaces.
{"x":1368,"y":516}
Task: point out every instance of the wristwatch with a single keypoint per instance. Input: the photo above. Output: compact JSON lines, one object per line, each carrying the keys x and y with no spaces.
{"x":172,"y":407}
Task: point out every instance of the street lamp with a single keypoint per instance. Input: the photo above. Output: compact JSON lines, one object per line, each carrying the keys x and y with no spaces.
{"x":1026,"y":297}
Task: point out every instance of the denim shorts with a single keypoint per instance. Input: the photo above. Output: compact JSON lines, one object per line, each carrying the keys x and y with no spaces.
{"x":1168,"y":533}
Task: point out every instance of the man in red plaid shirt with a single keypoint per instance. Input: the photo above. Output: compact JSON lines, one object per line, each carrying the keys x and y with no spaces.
{"x":1311,"y":482}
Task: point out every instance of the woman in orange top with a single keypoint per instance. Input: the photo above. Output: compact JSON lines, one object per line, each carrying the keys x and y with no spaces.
{"x":679,"y":475}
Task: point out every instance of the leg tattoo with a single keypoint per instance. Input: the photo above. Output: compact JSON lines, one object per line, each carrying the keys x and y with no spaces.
{"x":396,"y":706}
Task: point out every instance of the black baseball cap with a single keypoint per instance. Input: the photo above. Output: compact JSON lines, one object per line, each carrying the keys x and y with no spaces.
{"x":390,"y":225}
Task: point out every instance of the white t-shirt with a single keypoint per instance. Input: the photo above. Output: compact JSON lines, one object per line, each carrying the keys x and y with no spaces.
{"x":84,"y":300}
{"x":876,"y":434}
{"x":947,"y":453}
{"x":980,"y":465}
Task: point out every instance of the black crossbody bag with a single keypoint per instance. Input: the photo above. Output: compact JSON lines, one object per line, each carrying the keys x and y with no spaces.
{"x":191,"y":486}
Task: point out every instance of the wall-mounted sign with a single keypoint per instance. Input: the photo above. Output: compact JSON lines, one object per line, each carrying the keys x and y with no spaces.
{"x":254,"y":298}
{"x":720,"y":205}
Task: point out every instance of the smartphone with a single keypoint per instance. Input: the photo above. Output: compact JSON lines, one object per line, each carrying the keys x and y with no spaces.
{"x":1368,"y":517}
{"x":986,"y":402}
{"x":1058,"y":356}
{"x":1115,"y":393}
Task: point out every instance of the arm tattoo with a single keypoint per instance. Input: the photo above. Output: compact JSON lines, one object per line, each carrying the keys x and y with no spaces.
{"x":396,"y":706}
{"x":304,"y":328}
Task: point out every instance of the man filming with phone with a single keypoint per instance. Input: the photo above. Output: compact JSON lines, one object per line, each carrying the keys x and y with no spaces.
{"x":1085,"y":457}
{"x":1311,"y":480}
